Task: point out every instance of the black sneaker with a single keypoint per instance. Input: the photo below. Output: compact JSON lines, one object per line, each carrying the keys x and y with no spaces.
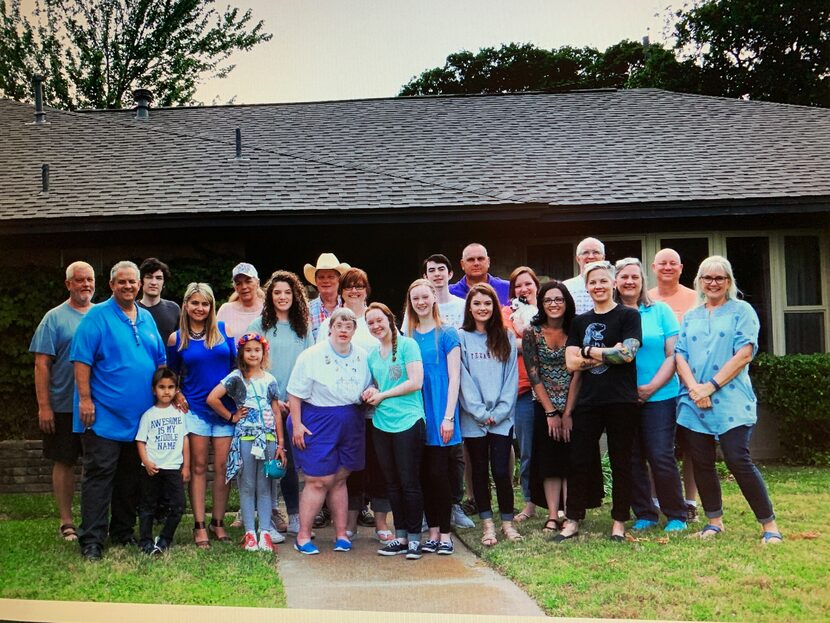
{"x":446,"y":548}
{"x":365,"y":518}
{"x":159,"y":547}
{"x":393,"y":548}
{"x":430,"y":546}
{"x":322,"y":519}
{"x":469,"y":507}
{"x":691,"y":513}
{"x":92,"y":553}
{"x":130,"y":541}
{"x":414,"y":550}
{"x":146,"y":546}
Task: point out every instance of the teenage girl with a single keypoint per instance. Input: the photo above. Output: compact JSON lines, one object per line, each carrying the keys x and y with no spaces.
{"x":258,"y":435}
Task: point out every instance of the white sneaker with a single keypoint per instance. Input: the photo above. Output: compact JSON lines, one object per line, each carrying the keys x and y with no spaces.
{"x":293,"y":524}
{"x":459,"y":519}
{"x":277,"y":537}
{"x":265,"y":542}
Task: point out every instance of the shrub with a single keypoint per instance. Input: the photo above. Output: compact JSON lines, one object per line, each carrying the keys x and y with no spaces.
{"x":797,"y":388}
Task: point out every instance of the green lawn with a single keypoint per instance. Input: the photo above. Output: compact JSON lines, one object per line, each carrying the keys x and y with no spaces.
{"x":730,"y":578}
{"x":36,"y":564}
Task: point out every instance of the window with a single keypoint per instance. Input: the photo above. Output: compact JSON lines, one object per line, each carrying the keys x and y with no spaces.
{"x":750,"y":259}
{"x":555,"y":261}
{"x":692,"y":252}
{"x":804,"y":314}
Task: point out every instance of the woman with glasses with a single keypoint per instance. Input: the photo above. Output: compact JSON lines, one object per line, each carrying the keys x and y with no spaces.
{"x":516,"y":317}
{"x":554,"y":395}
{"x":717,"y":342}
{"x":202,"y":352}
{"x":657,"y":388}
{"x":602,"y":344}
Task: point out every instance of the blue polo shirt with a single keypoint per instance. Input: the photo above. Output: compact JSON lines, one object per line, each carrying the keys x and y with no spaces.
{"x":502,"y":288}
{"x":122,"y":358}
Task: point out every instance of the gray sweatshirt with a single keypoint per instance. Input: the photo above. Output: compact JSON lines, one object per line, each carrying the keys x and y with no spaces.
{"x":488,"y":387}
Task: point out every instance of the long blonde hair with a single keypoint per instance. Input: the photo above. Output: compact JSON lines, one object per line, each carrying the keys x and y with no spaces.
{"x":212,"y":334}
{"x":410,"y":313}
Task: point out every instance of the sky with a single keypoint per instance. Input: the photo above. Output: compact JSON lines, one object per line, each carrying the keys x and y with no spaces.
{"x":351,"y":49}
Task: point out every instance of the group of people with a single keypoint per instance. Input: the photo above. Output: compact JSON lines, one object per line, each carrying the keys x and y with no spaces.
{"x":400,"y":413}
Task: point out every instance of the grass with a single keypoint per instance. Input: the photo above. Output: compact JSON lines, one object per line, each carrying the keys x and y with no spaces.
{"x":730,"y":578}
{"x":36,"y":564}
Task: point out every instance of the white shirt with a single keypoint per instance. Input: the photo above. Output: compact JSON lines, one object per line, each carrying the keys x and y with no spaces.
{"x":325,"y":378}
{"x":452,"y":314}
{"x":582,"y":300}
{"x":163,"y":431}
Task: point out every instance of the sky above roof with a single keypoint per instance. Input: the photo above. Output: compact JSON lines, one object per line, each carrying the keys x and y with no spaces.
{"x":339,"y":49}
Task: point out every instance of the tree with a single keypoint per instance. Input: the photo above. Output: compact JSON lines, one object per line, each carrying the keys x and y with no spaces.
{"x":95,"y":52}
{"x":767,"y":50}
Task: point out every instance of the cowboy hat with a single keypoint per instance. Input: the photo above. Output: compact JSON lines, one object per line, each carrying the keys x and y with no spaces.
{"x":326,"y":261}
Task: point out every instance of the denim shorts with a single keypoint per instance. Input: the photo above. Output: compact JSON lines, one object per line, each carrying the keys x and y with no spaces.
{"x":207,"y":426}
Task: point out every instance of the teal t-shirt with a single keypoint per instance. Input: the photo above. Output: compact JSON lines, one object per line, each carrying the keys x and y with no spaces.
{"x":659,"y":323}
{"x":400,"y":413}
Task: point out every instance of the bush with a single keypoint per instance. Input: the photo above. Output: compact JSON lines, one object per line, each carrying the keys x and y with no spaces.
{"x":797,"y":388}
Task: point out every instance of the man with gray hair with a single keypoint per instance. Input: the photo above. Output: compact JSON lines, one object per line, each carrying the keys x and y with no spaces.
{"x":115,"y":352}
{"x":54,"y":385}
{"x":587,"y":251}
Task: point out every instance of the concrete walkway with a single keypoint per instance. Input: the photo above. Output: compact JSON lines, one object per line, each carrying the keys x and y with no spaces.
{"x":363,"y":580}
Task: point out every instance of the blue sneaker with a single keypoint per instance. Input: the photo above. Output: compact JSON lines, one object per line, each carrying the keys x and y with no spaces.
{"x":309,"y":549}
{"x":643,"y":524}
{"x":675,"y":525}
{"x":342,"y":545}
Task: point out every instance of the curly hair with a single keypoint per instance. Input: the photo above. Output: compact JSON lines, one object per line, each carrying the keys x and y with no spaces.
{"x":498,"y":343}
{"x":297,"y":313}
{"x":393,"y":328}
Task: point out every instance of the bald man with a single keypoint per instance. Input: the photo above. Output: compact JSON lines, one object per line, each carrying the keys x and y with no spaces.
{"x":476,"y":266}
{"x":667,"y":268}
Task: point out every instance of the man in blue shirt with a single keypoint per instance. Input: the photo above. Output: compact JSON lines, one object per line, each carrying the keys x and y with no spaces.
{"x":476,"y":263}
{"x":54,"y":386}
{"x":115,"y":351}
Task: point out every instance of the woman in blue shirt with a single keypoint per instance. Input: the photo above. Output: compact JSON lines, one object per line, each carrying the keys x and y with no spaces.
{"x":657,"y":389}
{"x":717,"y":405}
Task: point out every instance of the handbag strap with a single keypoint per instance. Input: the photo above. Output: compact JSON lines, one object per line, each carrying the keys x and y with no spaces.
{"x":261,"y":419}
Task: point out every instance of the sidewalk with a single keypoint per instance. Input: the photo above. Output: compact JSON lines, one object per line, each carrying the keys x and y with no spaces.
{"x":363,"y":580}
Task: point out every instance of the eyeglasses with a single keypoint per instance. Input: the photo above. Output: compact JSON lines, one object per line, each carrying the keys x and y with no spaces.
{"x":707,"y":279}
{"x":558,"y":300}
{"x":358,"y":288}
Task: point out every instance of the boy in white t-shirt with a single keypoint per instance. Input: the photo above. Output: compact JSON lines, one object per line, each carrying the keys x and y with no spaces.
{"x":164,"y":451}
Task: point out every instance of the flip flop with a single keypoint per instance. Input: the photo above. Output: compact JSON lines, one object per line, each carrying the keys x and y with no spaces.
{"x":68,"y":532}
{"x":770,"y":538}
{"x":561,"y":538}
{"x":522,"y":516}
{"x":709,"y":531}
{"x":618,"y":538}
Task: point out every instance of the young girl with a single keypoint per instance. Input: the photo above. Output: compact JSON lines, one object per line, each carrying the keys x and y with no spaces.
{"x":441,"y":360}
{"x":398,"y":426}
{"x":489,"y":384}
{"x":258,"y":435}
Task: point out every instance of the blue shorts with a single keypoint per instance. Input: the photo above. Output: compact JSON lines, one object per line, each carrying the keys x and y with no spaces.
{"x":207,"y":426}
{"x":337,"y":440}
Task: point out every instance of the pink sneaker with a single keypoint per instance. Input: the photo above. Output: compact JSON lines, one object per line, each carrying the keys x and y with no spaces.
{"x":265,"y":542}
{"x":249,"y":542}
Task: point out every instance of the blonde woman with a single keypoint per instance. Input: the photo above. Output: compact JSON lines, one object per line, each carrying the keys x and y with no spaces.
{"x":202,"y":352}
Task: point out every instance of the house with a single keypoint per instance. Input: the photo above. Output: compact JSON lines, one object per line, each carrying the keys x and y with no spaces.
{"x":385,"y":182}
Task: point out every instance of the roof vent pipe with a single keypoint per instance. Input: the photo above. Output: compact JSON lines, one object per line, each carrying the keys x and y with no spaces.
{"x":238,"y":143}
{"x":143,"y":98}
{"x":44,"y":178}
{"x":37,"y":85}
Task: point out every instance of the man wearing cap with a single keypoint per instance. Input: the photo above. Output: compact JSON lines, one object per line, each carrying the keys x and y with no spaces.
{"x":245,"y":305}
{"x":154,"y":274}
{"x":54,"y":386}
{"x":587,"y":251}
{"x":325,"y":276}
{"x":476,"y":263}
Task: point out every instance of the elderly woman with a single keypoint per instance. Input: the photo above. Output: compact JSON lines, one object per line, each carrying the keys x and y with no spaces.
{"x":326,"y":425}
{"x":602,"y":344}
{"x":657,"y":387}
{"x":202,"y":352}
{"x":517,"y":316}
{"x":717,"y":341}
{"x":245,"y":304}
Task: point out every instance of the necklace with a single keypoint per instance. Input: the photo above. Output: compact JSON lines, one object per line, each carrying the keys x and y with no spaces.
{"x":196,"y":335}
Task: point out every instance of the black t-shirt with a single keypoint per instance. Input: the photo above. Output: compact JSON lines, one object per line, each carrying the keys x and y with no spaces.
{"x":607,"y":384}
{"x":166,"y":314}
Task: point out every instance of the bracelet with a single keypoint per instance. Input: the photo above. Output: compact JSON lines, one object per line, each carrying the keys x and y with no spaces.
{"x":583,"y":353}
{"x":715,"y":384}
{"x":551,"y":414}
{"x":449,"y":419}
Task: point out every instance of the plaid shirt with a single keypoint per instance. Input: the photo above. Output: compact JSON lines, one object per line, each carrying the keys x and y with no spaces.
{"x":318,"y":313}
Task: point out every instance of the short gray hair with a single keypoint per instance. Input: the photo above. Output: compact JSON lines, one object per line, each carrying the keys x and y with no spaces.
{"x":342,"y":313}
{"x":589,"y":239}
{"x":711,"y":262}
{"x":124,"y":264}
{"x":644,"y":299}
{"x":70,"y":270}
{"x":601,"y":265}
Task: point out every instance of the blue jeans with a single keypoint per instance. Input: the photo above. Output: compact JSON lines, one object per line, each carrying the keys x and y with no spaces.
{"x":654,"y":442}
{"x":523,"y":431}
{"x":734,"y":445}
{"x":255,"y":488}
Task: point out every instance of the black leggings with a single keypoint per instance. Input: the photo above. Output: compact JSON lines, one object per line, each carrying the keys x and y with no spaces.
{"x":436,"y":470}
{"x":495,"y":450}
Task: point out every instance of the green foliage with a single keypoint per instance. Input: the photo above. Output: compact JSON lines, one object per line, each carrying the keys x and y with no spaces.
{"x":796,"y":388}
{"x":208,"y":268}
{"x":94,"y":53}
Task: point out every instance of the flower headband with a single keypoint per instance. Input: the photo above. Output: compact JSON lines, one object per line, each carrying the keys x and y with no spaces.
{"x":248,"y":337}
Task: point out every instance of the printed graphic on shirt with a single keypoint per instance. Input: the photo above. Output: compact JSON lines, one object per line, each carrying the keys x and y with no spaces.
{"x":595,"y":336}
{"x":346,"y":372}
{"x":395,"y":372}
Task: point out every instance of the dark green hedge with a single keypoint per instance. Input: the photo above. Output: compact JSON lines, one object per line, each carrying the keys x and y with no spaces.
{"x":28,"y":293}
{"x":797,"y":388}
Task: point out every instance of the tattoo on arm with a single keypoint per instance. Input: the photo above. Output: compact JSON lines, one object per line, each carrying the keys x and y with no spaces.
{"x":623,"y":354}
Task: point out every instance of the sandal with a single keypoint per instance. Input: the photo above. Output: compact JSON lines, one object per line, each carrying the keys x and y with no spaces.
{"x":510,"y":532}
{"x":68,"y":532}
{"x":385,"y":536}
{"x":489,"y":537}
{"x":216,"y":524}
{"x":522,"y":516}
{"x":709,"y":531}
{"x":200,"y":543}
{"x":771,"y":538}
{"x":552,"y":525}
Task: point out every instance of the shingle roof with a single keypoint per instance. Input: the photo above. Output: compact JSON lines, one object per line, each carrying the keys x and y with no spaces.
{"x":564,"y":150}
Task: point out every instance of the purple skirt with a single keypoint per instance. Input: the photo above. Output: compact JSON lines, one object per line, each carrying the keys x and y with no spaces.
{"x":337,"y":440}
